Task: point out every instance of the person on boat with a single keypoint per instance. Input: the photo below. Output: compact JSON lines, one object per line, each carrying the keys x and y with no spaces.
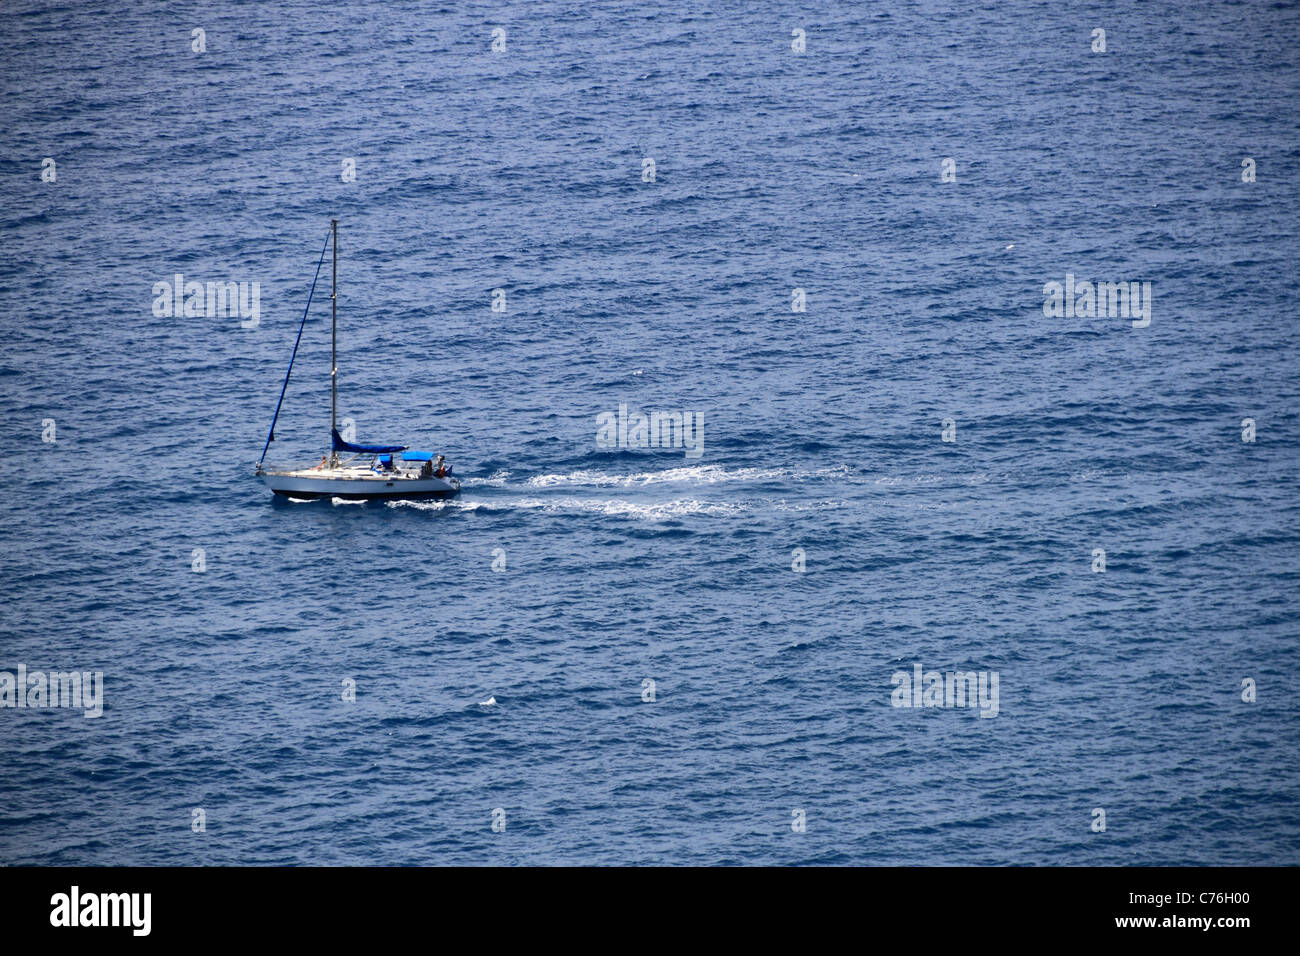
{"x":440,"y":470}
{"x":321,"y":466}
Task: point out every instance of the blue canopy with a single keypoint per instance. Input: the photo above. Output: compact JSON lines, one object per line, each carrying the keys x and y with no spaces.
{"x":341,"y":445}
{"x":417,"y":456}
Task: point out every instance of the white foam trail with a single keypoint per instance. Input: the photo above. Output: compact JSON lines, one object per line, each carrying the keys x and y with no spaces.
{"x":692,"y":474}
{"x":497,"y":479}
{"x":978,"y":478}
{"x":650,"y":511}
{"x":443,"y":504}
{"x":807,"y":505}
{"x":644,"y":510}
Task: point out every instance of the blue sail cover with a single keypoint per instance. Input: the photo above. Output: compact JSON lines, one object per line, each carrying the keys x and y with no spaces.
{"x":341,"y":445}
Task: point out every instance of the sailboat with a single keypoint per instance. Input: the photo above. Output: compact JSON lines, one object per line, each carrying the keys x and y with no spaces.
{"x":351,"y":471}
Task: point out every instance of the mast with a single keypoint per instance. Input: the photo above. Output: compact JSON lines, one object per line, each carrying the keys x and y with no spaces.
{"x":334,"y":344}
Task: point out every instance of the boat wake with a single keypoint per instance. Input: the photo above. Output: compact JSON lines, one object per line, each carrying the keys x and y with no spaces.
{"x":691,"y":474}
{"x":664,"y":495}
{"x":642,"y":510}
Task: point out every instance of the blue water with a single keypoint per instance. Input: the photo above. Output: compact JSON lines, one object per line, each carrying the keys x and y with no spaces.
{"x":822,"y":431}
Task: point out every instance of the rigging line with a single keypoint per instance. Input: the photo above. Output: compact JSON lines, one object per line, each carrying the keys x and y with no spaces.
{"x":270,"y":435}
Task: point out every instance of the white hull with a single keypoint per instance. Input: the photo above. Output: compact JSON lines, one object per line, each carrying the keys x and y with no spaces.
{"x":358,"y":486}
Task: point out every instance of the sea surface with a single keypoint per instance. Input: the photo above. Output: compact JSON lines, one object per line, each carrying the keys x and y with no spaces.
{"x":230,"y":628}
